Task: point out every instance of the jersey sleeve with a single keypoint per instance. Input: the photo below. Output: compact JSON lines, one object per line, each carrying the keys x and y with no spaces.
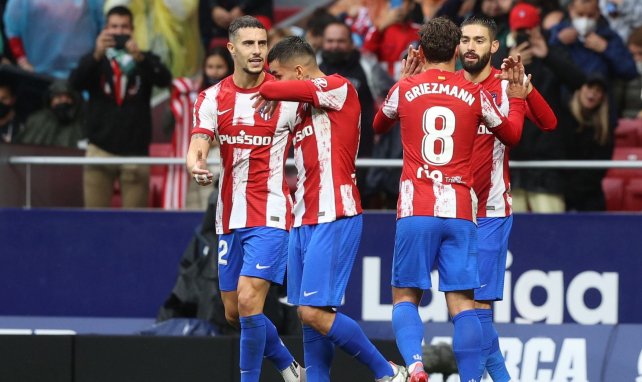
{"x":507,"y":129}
{"x":323,"y":92}
{"x":540,"y":112}
{"x":205,"y":115}
{"x":389,"y":112}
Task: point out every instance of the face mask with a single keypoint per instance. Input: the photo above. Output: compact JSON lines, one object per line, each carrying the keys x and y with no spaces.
{"x":638,"y":65}
{"x":64,"y":112}
{"x":584,"y":25}
{"x":4,"y":109}
{"x":334,"y":57}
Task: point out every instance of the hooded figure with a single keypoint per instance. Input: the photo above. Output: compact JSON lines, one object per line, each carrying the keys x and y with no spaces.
{"x":59,"y":123}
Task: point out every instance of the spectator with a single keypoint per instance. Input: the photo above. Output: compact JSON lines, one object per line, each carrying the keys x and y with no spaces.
{"x":498,"y":11}
{"x":592,"y":44}
{"x":218,"y":14}
{"x":168,"y":29}
{"x":59,"y":123}
{"x":394,"y":31}
{"x":119,"y":78}
{"x":315,"y":26}
{"x":589,"y":135}
{"x":623,"y":15}
{"x":49,"y":37}
{"x":277,"y":34}
{"x":629,"y":94}
{"x":539,"y":190}
{"x":339,"y":56}
{"x":10,"y":123}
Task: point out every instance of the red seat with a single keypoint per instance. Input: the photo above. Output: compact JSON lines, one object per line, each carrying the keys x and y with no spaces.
{"x":613,"y":193}
{"x":627,"y":135}
{"x":633,"y":195}
{"x":626,"y":153}
{"x":157,"y":173}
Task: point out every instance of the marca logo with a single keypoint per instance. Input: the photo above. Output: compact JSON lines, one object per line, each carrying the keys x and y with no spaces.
{"x":245,"y":139}
{"x":537,"y":359}
{"x":518,"y":294}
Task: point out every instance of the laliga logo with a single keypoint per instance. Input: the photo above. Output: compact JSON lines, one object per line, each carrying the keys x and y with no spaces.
{"x":517,"y":294}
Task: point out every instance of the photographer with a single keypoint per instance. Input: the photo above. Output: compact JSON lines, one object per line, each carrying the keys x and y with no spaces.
{"x":119,"y":78}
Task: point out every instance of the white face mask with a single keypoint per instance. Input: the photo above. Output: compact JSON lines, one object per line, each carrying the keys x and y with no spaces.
{"x":584,"y":25}
{"x":638,"y":64}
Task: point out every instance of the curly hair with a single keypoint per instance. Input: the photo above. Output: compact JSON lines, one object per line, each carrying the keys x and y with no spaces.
{"x":439,"y":38}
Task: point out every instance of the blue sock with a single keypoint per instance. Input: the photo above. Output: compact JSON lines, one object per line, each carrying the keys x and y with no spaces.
{"x":467,"y":345}
{"x":318,"y":352}
{"x":493,"y":360}
{"x":488,"y":331}
{"x":252,"y":347}
{"x":275,"y":351}
{"x":347,"y":334}
{"x":409,"y":331}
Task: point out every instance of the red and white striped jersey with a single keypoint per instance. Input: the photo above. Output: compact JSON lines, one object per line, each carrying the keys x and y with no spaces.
{"x":325,"y":147}
{"x":490,"y":156}
{"x":440,"y":113}
{"x":252,"y":187}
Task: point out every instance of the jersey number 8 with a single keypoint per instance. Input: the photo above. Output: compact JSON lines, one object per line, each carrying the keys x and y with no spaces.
{"x":432,"y":152}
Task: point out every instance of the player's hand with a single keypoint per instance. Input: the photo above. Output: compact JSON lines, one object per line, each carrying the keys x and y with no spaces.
{"x":518,"y":83}
{"x":265,"y":108}
{"x":201,"y":174}
{"x":412,"y":64}
{"x":595,"y":42}
{"x":508,"y":63}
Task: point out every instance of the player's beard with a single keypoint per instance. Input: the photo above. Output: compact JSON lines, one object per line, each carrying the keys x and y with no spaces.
{"x":477,"y":67}
{"x":251,"y":72}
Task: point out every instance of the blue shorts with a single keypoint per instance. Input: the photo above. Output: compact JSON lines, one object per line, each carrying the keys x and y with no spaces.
{"x":423,"y":241}
{"x":320,"y":259}
{"x":492,"y":234}
{"x":256,"y":252}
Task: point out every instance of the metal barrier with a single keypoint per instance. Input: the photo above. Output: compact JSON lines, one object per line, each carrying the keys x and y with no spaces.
{"x":29,"y":161}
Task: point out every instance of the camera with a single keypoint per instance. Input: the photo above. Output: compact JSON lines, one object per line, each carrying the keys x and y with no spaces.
{"x":121,"y":40}
{"x":522,"y":37}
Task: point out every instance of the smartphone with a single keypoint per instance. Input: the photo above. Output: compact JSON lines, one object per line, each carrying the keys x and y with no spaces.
{"x":396,"y":3}
{"x":521,"y":38}
{"x":121,"y":40}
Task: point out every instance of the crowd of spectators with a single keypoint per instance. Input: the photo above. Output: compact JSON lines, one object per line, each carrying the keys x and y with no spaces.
{"x":585,"y":57}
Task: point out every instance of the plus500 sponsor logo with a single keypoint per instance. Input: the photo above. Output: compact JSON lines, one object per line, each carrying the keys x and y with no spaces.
{"x":517,"y":294}
{"x":304,"y":132}
{"x":245,"y":139}
{"x":538,"y":359}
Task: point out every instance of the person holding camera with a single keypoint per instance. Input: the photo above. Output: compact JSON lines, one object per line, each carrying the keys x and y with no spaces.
{"x":538,"y":190}
{"x":119,"y":78}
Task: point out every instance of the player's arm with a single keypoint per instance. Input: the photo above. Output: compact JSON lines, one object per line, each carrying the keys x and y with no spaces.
{"x":294,"y":90}
{"x":507,"y":129}
{"x":388,"y":113}
{"x":202,"y":137}
{"x":539,"y":111}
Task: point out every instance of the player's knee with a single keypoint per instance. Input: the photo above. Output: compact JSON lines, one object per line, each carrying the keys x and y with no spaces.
{"x":309,"y":316}
{"x":248,"y":301}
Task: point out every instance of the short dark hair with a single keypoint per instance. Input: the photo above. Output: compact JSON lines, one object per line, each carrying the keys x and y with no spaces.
{"x":120,"y":10}
{"x":318,"y":21}
{"x":244,"y":22}
{"x":484,"y":21}
{"x":340,"y":23}
{"x":289,"y":48}
{"x":439,"y":38}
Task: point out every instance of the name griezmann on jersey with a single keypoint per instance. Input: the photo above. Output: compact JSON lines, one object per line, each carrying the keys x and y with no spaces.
{"x":438,"y":88}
